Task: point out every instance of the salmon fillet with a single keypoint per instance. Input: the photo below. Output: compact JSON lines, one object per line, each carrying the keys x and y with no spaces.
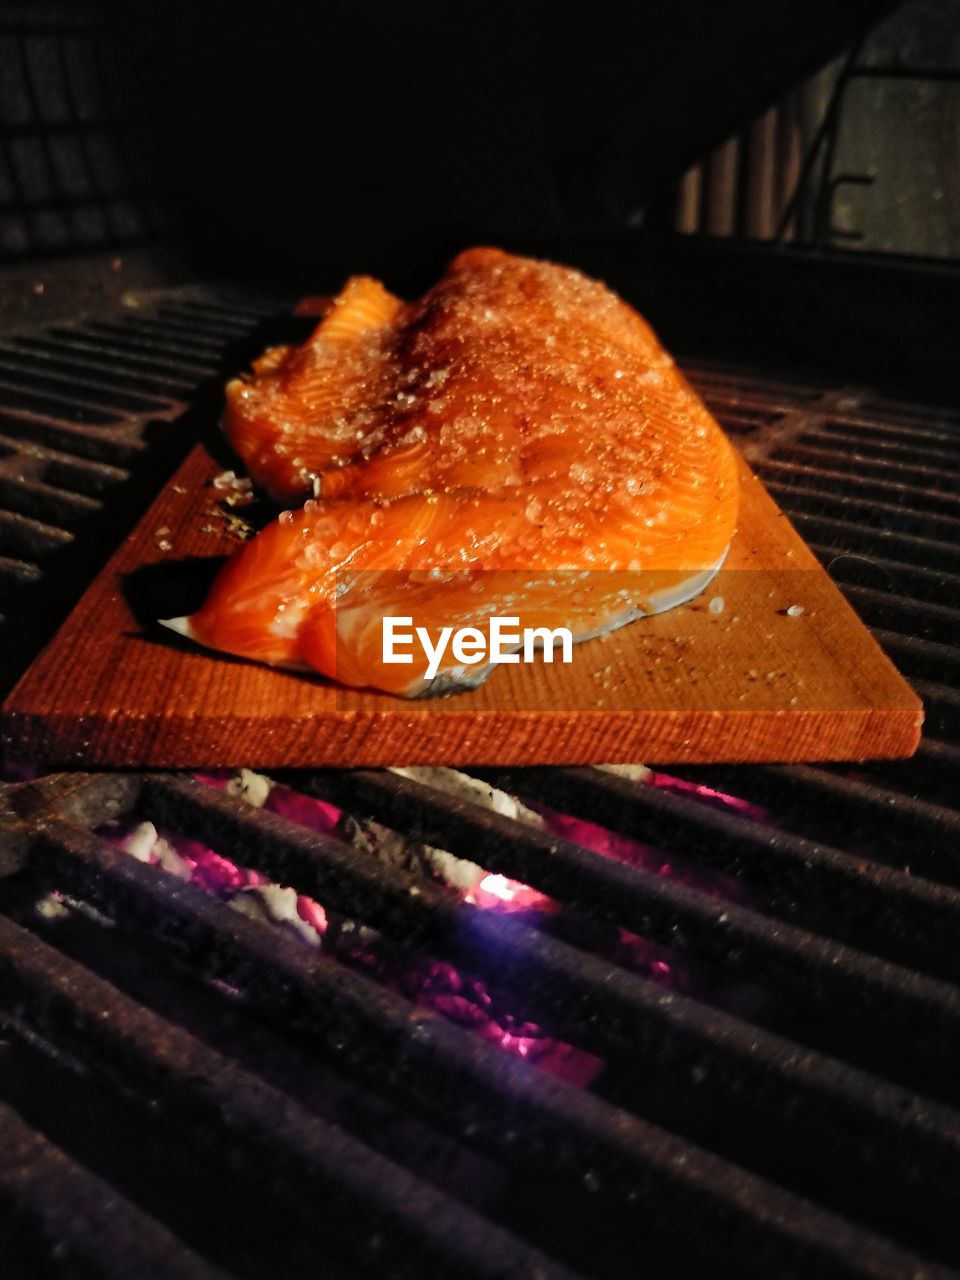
{"x":517,"y":442}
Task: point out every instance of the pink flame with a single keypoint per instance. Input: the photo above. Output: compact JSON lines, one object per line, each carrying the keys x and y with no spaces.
{"x":437,"y":984}
{"x":707,"y":795}
{"x":496,"y":892}
{"x":636,"y":853}
{"x":430,"y":983}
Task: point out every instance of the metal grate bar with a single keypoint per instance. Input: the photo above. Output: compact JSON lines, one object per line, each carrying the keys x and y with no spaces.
{"x":184,"y":354}
{"x":926,"y":586}
{"x":942,"y":707}
{"x":117,"y":354}
{"x":589,"y":1001}
{"x":823,"y":499}
{"x":900,"y":499}
{"x":745,"y":387}
{"x":21,"y":535}
{"x":73,"y":450}
{"x":17,"y":571}
{"x":922,"y":479}
{"x":885,"y":426}
{"x":466,"y":1084}
{"x":916,"y":657}
{"x":55,"y":1210}
{"x":237,"y":307}
{"x":931,"y":773}
{"x":902,"y":546}
{"x":14,"y":360}
{"x":912,"y":415}
{"x":892,"y":612}
{"x":25,"y":497}
{"x":187,"y":320}
{"x":900,"y":829}
{"x":212,"y":1101}
{"x":847,"y":441}
{"x":169,"y":335}
{"x":78,"y":399}
{"x":867,"y":904}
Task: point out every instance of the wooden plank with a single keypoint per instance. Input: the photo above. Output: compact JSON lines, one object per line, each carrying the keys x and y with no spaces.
{"x":750,"y":683}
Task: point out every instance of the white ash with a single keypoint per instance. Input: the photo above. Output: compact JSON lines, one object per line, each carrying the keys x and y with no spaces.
{"x":277,"y":905}
{"x":58,"y":906}
{"x":716,"y":605}
{"x":462,"y":787}
{"x":140,"y":841}
{"x":459,"y":873}
{"x":397,"y":850}
{"x":795,"y":611}
{"x":146,"y":844}
{"x":253,"y":787}
{"x":169,"y":860}
{"x":268,"y":902}
{"x":51,"y":907}
{"x":632,"y":772}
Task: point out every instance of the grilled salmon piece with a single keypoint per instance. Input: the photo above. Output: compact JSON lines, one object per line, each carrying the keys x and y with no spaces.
{"x":298,"y":413}
{"x":517,"y":442}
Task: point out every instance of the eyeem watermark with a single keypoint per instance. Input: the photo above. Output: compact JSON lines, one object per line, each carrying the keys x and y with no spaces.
{"x":503,"y":641}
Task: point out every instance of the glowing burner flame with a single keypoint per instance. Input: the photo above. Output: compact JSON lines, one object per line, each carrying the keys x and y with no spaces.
{"x":500,"y":887}
{"x":496,"y":892}
{"x":429,"y":982}
{"x":708,"y":795}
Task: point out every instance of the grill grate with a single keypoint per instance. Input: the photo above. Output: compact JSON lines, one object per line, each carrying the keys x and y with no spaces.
{"x":93,"y":414}
{"x":773,"y":1079}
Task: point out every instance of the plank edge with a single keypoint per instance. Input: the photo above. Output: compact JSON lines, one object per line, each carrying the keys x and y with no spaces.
{"x":857,"y":735}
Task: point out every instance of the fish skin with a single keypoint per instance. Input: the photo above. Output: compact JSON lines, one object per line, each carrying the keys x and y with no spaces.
{"x":518,"y":431}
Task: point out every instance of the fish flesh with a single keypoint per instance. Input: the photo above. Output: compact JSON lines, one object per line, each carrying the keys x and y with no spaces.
{"x":517,"y":442}
{"x":308,"y":409}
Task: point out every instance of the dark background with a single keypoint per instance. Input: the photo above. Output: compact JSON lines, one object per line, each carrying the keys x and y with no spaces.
{"x":389,"y":136}
{"x":296,"y":143}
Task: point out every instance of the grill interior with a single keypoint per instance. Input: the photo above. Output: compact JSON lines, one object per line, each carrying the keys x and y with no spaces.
{"x":753,"y":1022}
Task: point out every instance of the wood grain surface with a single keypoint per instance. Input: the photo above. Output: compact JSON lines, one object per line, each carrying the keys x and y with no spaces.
{"x":750,"y":683}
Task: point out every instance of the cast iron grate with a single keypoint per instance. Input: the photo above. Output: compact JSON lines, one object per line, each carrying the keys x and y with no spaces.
{"x":772,"y":1079}
{"x":94,"y":413}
